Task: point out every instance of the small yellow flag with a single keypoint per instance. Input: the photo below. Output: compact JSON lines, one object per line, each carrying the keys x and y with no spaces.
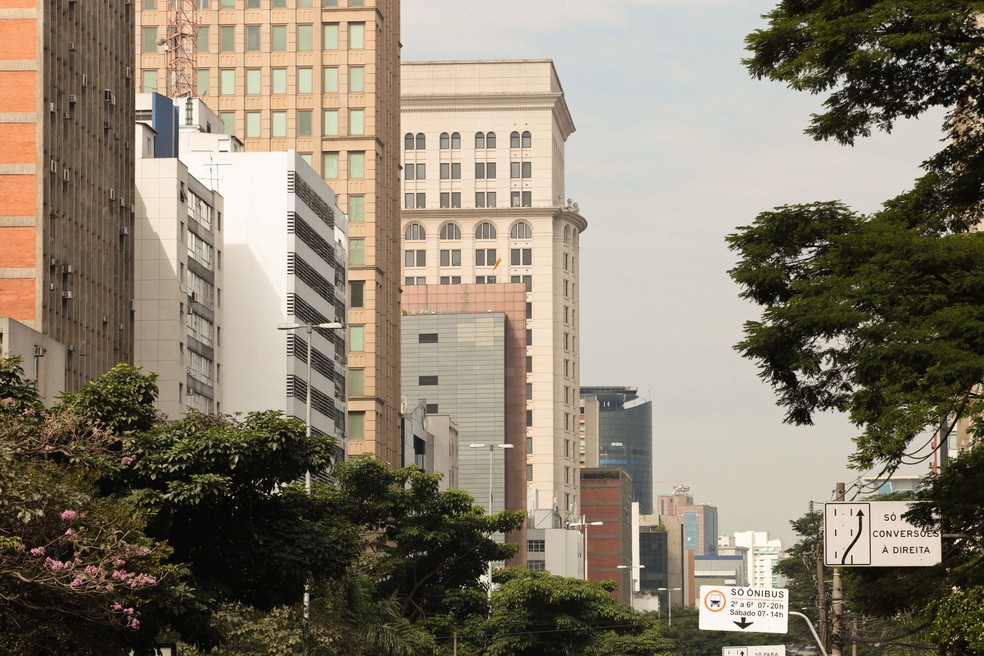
{"x":498,"y":260}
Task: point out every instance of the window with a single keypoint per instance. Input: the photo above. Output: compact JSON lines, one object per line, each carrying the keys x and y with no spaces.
{"x":415,"y":232}
{"x":357,"y":382}
{"x":445,"y":171}
{"x":357,"y":165}
{"x":445,"y":141}
{"x":252,"y":38}
{"x":227,"y":81}
{"x":304,"y":122}
{"x":485,"y":230}
{"x":228,"y":122}
{"x":357,"y":36}
{"x":203,"y":38}
{"x":450,"y":280}
{"x":484,"y":280}
{"x":527,"y":169}
{"x":450,"y":231}
{"x":148,"y":39}
{"x":529,"y":397}
{"x":148,"y":4}
{"x":426,"y":381}
{"x":357,"y":121}
{"x":455,"y":170}
{"x":529,"y":418}
{"x":527,"y":140}
{"x":480,"y":140}
{"x":529,"y":477}
{"x":148,"y":80}
{"x":228,"y":4}
{"x":529,"y":337}
{"x":357,"y":293}
{"x":514,"y":169}
{"x":357,"y":208}
{"x":305,"y":80}
{"x":408,"y":171}
{"x":421,"y":171}
{"x":227,"y":38}
{"x":484,"y":170}
{"x":305,"y":37}
{"x":490,"y":199}
{"x":521,"y":230}
{"x":421,"y":141}
{"x":203,"y":80}
{"x":514,"y":140}
{"x":455,"y":199}
{"x":536,"y":546}
{"x":278,"y":37}
{"x":565,"y":261}
{"x":445,"y":199}
{"x":330,"y":82}
{"x":526,"y":280}
{"x":521,"y":257}
{"x":408,"y":201}
{"x":450,"y":257}
{"x":455,"y":140}
{"x":252,"y":82}
{"x":427,"y":338}
{"x":357,"y":79}
{"x":252,"y":125}
{"x":329,"y":36}
{"x":278,"y":124}
{"x":330,"y":122}
{"x":357,"y":424}
{"x":527,"y":199}
{"x":529,"y":364}
{"x":529,"y":310}
{"x":408,"y":141}
{"x":357,"y":251}
{"x":421,"y":280}
{"x":329,"y":165}
{"x":252,"y":4}
{"x":280,"y":4}
{"x":479,"y":199}
{"x":485,"y":257}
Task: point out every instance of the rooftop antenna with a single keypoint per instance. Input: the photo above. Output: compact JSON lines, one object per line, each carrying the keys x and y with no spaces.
{"x":181,"y":48}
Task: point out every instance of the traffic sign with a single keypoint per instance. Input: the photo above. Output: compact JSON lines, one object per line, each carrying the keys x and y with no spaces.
{"x":755,"y":610}
{"x":874,"y":534}
{"x":761,"y":650}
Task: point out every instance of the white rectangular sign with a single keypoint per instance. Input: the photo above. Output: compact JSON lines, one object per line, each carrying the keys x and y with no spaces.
{"x":874,"y":534}
{"x":760,"y":650}
{"x":753,"y":610}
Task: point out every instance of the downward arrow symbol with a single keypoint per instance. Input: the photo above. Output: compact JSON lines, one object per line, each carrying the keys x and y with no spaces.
{"x":744,"y":623}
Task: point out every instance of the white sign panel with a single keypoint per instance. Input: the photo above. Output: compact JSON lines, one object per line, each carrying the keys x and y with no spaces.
{"x":754,"y":610}
{"x":761,"y":650}
{"x":874,"y":534}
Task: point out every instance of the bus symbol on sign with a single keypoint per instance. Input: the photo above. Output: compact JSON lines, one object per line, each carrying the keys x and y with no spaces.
{"x":714,"y":601}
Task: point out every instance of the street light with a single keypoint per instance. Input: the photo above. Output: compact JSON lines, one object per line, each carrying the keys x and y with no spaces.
{"x":583,"y":525}
{"x":669,"y":602}
{"x":635,"y":582}
{"x":492,"y":448}
{"x":307,"y":420}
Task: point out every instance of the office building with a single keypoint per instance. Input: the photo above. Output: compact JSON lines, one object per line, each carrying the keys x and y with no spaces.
{"x":606,"y":497}
{"x":484,"y":203}
{"x":624,"y":437}
{"x":322,"y":78}
{"x":66,"y":178}
{"x":700,"y":520}
{"x":762,"y":557}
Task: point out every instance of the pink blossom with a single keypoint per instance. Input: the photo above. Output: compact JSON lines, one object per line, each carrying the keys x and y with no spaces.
{"x":119,"y":575}
{"x":54,"y":565}
{"x":117,"y":606}
{"x":134,"y":624}
{"x":109,"y":587}
{"x":68,"y":515}
{"x":118,"y":562}
{"x":37,"y":551}
{"x":72,"y":535}
{"x":127,"y":460}
{"x":91,"y":570}
{"x":76,"y":582}
{"x":143,"y":551}
{"x":8,"y":401}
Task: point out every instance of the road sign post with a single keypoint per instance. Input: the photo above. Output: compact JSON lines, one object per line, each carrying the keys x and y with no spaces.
{"x":754,"y":610}
{"x":760,"y":650}
{"x":874,"y":534}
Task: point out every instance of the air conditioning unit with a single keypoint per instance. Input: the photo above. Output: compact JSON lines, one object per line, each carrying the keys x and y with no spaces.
{"x":122,"y":201}
{"x":124,"y":231}
{"x":72,"y":98}
{"x":112,"y":194}
{"x":193,"y":296}
{"x":129,"y":72}
{"x":53,"y":108}
{"x":71,"y":348}
{"x":53,"y":167}
{"x":67,"y":295}
{"x":67,"y":115}
{"x":107,"y":94}
{"x":68,"y":269}
{"x":71,"y":46}
{"x":106,"y":125}
{"x":112,"y":99}
{"x":85,"y":80}
{"x":65,"y":175}
{"x":133,"y":305}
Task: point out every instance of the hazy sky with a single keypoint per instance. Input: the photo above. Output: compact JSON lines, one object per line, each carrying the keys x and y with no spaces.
{"x":675,"y":147}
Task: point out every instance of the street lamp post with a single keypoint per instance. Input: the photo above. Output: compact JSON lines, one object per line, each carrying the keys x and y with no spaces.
{"x":492,"y":448}
{"x":669,"y":603}
{"x":583,"y":525}
{"x":309,"y":327}
{"x":635,"y":582}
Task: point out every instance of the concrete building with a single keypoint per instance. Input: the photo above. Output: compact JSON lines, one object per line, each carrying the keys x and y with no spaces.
{"x":445,"y":448}
{"x":624,"y":437}
{"x":321,"y":78}
{"x":66,"y":178}
{"x":720,"y":570}
{"x":589,"y":429}
{"x":700,"y":520}
{"x":484,"y":202}
{"x":42,"y":358}
{"x":178,"y":234}
{"x":763,"y":555}
{"x":606,"y":497}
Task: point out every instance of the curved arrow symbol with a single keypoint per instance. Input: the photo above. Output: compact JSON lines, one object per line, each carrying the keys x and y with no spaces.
{"x":856,"y":537}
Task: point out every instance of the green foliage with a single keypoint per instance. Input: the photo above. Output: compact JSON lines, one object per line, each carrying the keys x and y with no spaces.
{"x":958,"y":626}
{"x":688,"y":640}
{"x":18,"y":396}
{"x":122,"y":399}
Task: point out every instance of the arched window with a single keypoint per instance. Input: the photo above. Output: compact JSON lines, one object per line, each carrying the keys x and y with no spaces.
{"x":421,"y":141}
{"x":485,"y":230}
{"x":514,"y":140}
{"x":527,"y":140}
{"x":490,"y":140}
{"x":567,"y":234}
{"x":480,"y":140}
{"x":450,"y":231}
{"x":455,"y":140}
{"x":445,"y":141}
{"x":521,"y":230}
{"x":408,"y":141}
{"x":415,"y":232}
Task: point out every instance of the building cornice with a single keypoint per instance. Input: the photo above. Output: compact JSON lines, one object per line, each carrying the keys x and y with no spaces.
{"x":496,"y":213}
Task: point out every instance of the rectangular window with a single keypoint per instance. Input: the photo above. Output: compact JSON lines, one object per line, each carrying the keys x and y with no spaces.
{"x":479,"y":199}
{"x":330,"y":79}
{"x":412,"y":258}
{"x":445,"y":199}
{"x":252,"y":125}
{"x":529,"y":337}
{"x":278,"y":38}
{"x":408,"y":172}
{"x":427,"y":338}
{"x":203,"y":79}
{"x":280,"y":4}
{"x":426,"y":381}
{"x":329,"y":36}
{"x":527,"y":169}
{"x":529,"y":397}
{"x":252,"y":4}
{"x":357,"y":208}
{"x":330,"y":123}
{"x":308,"y":158}
{"x":252,"y":82}
{"x":529,"y":472}
{"x":148,"y":39}
{"x":227,"y":81}
{"x":357,"y":121}
{"x":357,"y":251}
{"x":450,"y":280}
{"x":527,"y":199}
{"x":357,"y":293}
{"x":529,"y":364}
{"x":228,"y":122}
{"x":357,"y":79}
{"x":357,"y":36}
{"x":305,"y":37}
{"x":514,"y":169}
{"x":529,"y":310}
{"x":536,"y":546}
{"x":357,"y":382}
{"x":421,"y":171}
{"x":455,"y":199}
{"x":227,"y":38}
{"x":252,"y":38}
{"x":228,"y":4}
{"x":304,"y":122}
{"x":357,"y":165}
{"x":203,"y":38}
{"x":455,"y":171}
{"x":305,"y":80}
{"x":485,"y":257}
{"x":479,"y":170}
{"x":278,"y":124}
{"x":450,"y":257}
{"x":490,"y":199}
{"x":278,"y":80}
{"x":408,"y":201}
{"x":521,"y":257}
{"x":445,"y":171}
{"x":514,"y":199}
{"x":148,"y":4}
{"x":357,"y":425}
{"x":529,"y":418}
{"x":490,"y":170}
{"x":329,"y":166}
{"x":148,"y":81}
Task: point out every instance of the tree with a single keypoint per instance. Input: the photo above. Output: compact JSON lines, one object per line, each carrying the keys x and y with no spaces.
{"x":688,"y":640}
{"x":800,"y":569}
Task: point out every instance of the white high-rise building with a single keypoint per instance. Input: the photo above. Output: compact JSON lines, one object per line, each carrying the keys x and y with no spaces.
{"x":484,"y":202}
{"x":763,"y":555}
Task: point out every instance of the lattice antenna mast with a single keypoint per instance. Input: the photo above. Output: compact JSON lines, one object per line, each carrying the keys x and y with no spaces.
{"x":181,"y":48}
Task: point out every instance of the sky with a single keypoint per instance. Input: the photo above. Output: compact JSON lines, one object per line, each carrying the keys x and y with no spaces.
{"x":675,"y":147}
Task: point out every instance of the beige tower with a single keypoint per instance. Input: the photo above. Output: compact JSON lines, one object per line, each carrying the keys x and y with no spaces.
{"x":321,"y":77}
{"x":66,"y":177}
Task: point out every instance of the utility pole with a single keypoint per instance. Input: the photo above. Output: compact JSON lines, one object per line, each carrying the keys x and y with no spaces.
{"x":821,"y":589}
{"x":837,"y":597}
